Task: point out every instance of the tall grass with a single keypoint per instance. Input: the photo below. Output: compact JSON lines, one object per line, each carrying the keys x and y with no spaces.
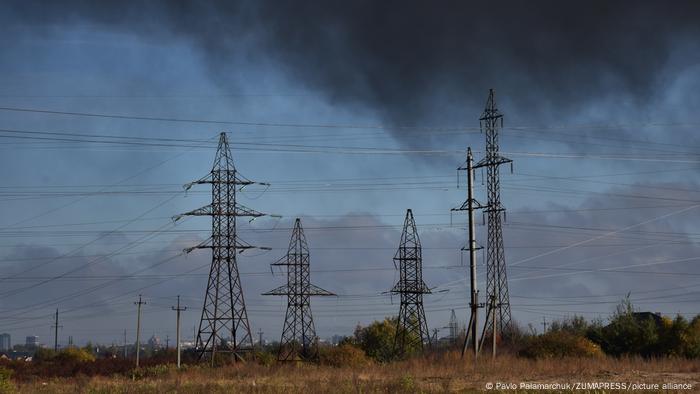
{"x":444,"y":372}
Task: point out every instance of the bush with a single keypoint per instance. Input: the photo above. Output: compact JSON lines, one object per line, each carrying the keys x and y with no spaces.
{"x":344,"y":355}
{"x":555,"y":344}
{"x":576,"y":325}
{"x":74,"y":355}
{"x":265,"y":358}
{"x":152,"y":371}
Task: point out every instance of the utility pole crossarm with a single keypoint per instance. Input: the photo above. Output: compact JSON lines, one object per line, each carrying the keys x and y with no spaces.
{"x":465,"y":206}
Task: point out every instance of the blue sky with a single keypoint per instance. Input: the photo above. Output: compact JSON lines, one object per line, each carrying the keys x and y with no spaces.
{"x":601,"y":201}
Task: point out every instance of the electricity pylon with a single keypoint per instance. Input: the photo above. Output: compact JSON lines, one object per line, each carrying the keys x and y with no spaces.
{"x":470,"y":205}
{"x":299,"y":341}
{"x":223,"y":327}
{"x":454,"y":327}
{"x":411,"y":326}
{"x":498,"y":306}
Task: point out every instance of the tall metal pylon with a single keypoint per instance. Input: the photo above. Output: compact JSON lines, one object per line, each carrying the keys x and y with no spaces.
{"x":223,"y":327}
{"x":498,"y":306}
{"x":454,"y":327}
{"x":411,"y":327}
{"x":299,"y":341}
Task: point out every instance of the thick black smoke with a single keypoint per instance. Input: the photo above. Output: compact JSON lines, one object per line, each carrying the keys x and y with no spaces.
{"x":418,"y":62}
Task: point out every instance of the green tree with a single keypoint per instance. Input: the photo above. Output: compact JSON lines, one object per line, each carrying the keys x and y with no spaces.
{"x":377,"y":339}
{"x":628,"y":333}
{"x":692,"y":339}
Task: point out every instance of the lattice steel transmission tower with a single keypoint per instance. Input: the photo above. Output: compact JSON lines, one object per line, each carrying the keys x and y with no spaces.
{"x":454,"y":327}
{"x":299,"y":341}
{"x":411,"y":327}
{"x":498,"y":304}
{"x":224,"y":326}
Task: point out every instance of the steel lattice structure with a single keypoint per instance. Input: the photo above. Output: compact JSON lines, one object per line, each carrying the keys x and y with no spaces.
{"x":411,"y":327}
{"x":224,"y":326}
{"x":491,"y":122}
{"x":299,"y":341}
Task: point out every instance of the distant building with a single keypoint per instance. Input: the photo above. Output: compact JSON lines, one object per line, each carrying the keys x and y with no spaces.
{"x":32,"y":341}
{"x":644,"y":316}
{"x":5,"y":343}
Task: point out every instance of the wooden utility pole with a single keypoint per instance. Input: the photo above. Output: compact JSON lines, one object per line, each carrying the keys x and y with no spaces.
{"x":544,"y":324}
{"x":178,"y":309}
{"x":138,"y":330}
{"x":55,"y":332}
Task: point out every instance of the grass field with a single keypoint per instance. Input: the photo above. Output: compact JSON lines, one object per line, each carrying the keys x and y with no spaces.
{"x":433,"y":374}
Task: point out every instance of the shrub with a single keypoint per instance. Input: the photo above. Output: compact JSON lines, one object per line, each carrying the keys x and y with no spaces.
{"x":576,"y":325}
{"x":265,"y":358}
{"x":75,"y":355}
{"x":151,"y":371}
{"x":344,"y":355}
{"x":43,"y":354}
{"x":556,"y":344}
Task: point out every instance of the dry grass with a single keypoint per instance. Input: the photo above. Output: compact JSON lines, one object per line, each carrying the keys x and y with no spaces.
{"x":436,"y":373}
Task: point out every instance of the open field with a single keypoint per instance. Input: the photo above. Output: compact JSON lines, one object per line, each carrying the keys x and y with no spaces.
{"x":433,"y":374}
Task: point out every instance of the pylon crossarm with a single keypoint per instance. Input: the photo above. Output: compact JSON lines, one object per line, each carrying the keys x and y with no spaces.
{"x":236,"y":180}
{"x":403,"y":289}
{"x":284,"y":260}
{"x":208,"y":210}
{"x":204,"y":179}
{"x":279,"y":291}
{"x":317,"y":291}
{"x":242,"y":210}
